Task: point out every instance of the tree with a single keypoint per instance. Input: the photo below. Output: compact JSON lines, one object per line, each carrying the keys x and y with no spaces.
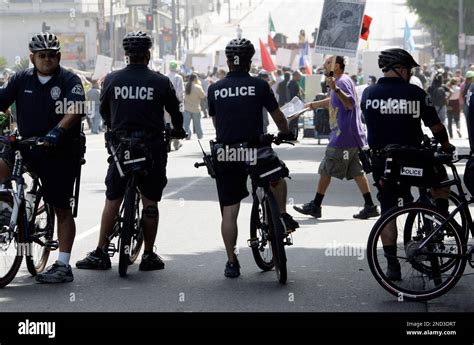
{"x":23,"y":64}
{"x":441,"y":16}
{"x":3,"y":62}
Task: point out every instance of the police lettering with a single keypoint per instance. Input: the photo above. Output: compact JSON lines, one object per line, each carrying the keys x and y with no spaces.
{"x":395,"y":106}
{"x":134,"y":92}
{"x":236,"y":91}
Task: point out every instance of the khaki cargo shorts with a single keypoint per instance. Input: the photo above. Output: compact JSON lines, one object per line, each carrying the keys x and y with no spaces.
{"x":341,"y":163}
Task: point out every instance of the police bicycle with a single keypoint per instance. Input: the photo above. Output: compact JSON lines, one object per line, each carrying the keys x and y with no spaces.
{"x":432,"y":247}
{"x":27,"y":220}
{"x":268,"y":234}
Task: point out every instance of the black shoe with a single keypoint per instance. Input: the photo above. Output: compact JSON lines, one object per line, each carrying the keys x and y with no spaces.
{"x":56,"y":273}
{"x":367,"y":212}
{"x":93,"y":261}
{"x":151,"y":262}
{"x":394,"y":272}
{"x":290,"y":224}
{"x":232,"y":269}
{"x":309,"y":209}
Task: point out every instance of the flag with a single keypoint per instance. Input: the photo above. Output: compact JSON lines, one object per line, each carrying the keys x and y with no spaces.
{"x":267,"y":62}
{"x":271,"y":26}
{"x":365,"y":31}
{"x":408,"y":38}
{"x":271,"y":44}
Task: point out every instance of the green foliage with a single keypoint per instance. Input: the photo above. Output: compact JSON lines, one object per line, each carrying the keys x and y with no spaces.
{"x":3,"y":62}
{"x":441,"y":16}
{"x":24,"y":63}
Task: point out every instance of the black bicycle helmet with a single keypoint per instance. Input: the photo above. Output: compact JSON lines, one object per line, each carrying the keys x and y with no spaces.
{"x":391,"y":57}
{"x":44,"y":41}
{"x":137,"y":42}
{"x":240,"y":47}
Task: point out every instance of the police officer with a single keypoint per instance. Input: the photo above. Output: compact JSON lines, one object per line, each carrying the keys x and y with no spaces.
{"x":132,"y":104}
{"x":235,"y":105}
{"x":470,"y":115}
{"x":393,"y":109}
{"x":43,"y":95}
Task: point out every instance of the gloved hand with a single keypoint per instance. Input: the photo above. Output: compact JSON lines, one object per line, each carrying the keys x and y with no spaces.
{"x":286,"y":136}
{"x":449,"y":148}
{"x":54,"y":136}
{"x":178,"y":133}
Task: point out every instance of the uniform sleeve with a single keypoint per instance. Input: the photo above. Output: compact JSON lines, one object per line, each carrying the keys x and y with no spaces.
{"x":429,"y":114}
{"x":363,"y":103}
{"x":171,"y":103}
{"x":104,"y":108}
{"x":8,"y":93}
{"x":210,"y":101}
{"x":75,"y":92}
{"x":269,"y":101}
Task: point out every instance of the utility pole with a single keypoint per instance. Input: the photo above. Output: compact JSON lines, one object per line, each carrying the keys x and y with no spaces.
{"x":173,"y":27}
{"x":462,"y":48}
{"x":112,"y":33}
{"x":187,"y":25}
{"x":228,"y":1}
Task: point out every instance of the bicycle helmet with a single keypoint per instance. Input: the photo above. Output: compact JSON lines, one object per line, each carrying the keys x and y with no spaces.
{"x":391,"y":57}
{"x":240,"y":47}
{"x":44,"y":41}
{"x":137,"y":42}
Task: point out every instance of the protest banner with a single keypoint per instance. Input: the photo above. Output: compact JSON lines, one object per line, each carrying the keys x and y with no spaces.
{"x":283,"y":57}
{"x":340,"y":27}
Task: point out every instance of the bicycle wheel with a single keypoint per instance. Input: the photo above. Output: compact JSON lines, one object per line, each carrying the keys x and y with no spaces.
{"x":10,"y":251}
{"x":261,"y":249}
{"x":277,"y":235}
{"x":136,"y":241}
{"x":424,"y":272}
{"x":127,"y":229}
{"x":43,"y":232}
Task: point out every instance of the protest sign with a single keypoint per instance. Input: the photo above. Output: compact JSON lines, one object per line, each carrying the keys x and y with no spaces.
{"x":283,"y":57}
{"x":103,"y":66}
{"x":340,"y":27}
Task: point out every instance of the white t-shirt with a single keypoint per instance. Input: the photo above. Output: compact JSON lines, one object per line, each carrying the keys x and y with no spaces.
{"x":44,"y":79}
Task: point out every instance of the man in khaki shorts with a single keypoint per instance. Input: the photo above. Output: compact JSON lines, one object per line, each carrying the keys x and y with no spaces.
{"x":341,"y":159}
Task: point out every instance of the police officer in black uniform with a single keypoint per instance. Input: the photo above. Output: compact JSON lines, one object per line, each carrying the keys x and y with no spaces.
{"x":393,"y":110}
{"x":132,"y":105}
{"x":235,"y":105}
{"x":43,"y":96}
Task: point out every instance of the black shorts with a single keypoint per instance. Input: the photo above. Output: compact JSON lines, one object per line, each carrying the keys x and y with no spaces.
{"x":391,"y":193}
{"x":231,"y":179}
{"x":150,"y":185}
{"x":56,"y":168}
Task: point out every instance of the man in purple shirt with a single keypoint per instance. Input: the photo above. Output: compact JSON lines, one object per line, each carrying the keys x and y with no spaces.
{"x":347,"y":136}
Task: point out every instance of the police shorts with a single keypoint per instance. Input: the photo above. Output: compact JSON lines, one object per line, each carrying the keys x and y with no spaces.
{"x":341,"y":163}
{"x":56,"y":168}
{"x":392,"y":194}
{"x":151,"y":185}
{"x":231,"y":179}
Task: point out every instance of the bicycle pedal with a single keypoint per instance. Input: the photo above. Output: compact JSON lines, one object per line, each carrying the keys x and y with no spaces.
{"x":110,"y":249}
{"x":253,"y":243}
{"x":51,"y":244}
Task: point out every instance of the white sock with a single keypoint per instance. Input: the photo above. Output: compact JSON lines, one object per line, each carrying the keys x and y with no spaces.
{"x":64,"y":258}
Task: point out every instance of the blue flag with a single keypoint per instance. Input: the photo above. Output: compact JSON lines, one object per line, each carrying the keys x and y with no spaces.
{"x":408,"y":38}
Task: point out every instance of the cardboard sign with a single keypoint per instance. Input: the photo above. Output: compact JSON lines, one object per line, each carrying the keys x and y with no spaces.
{"x":103,"y":66}
{"x":340,"y":27}
{"x":202,"y":64}
{"x":283,"y":57}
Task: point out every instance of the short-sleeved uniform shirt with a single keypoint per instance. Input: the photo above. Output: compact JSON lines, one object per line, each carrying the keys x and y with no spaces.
{"x":133,"y":101}
{"x":237,"y":102}
{"x":393,"y":111}
{"x":40,"y":108}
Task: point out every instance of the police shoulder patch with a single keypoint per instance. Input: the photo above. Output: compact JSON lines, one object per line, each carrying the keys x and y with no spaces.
{"x":78,"y":90}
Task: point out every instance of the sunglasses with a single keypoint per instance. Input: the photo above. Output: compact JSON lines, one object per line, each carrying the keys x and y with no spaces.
{"x":50,"y":55}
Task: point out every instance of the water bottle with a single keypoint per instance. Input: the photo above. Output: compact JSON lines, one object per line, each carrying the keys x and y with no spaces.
{"x":30,"y":199}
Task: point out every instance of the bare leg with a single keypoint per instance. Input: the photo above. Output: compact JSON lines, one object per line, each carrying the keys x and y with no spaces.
{"x":66,"y":229}
{"x":280,"y":192}
{"x":150,"y":222}
{"x":229,"y":230}
{"x":109,"y":214}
